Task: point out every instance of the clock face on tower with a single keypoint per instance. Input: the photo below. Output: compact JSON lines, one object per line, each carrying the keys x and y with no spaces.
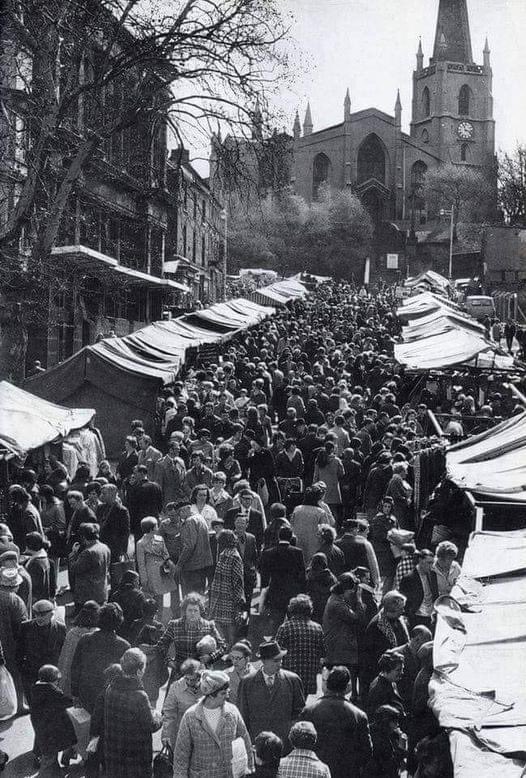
{"x":465,"y":130}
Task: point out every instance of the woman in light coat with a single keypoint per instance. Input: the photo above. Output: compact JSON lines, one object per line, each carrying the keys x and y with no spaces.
{"x":156,"y":569}
{"x":199,"y":750}
{"x":329,"y":469}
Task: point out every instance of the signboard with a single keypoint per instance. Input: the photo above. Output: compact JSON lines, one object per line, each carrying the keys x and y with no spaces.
{"x":392,"y":261}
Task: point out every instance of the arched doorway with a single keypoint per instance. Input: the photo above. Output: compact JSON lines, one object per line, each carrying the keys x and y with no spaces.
{"x":321,"y":168}
{"x":371,"y":160}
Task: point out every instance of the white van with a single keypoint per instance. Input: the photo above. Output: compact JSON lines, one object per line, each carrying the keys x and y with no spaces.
{"x":480,"y":306}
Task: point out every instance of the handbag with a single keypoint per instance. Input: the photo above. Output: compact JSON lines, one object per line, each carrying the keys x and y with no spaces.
{"x":263,"y":491}
{"x":163,"y":763}
{"x":7,"y":694}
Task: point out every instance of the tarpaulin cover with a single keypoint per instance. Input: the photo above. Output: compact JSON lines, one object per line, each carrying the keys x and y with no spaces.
{"x":281,"y":291}
{"x":28,"y":422}
{"x":122,"y":377}
{"x":492,"y":463}
{"x":479,"y":684}
{"x":429,"y":278}
{"x":439,"y":321}
{"x":449,"y":348}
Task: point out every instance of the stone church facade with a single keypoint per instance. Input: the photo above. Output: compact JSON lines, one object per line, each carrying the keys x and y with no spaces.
{"x":451,"y":122}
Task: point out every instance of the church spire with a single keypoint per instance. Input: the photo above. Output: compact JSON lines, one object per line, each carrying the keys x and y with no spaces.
{"x":296,"y":131}
{"x":419,"y":56}
{"x":307,"y":122}
{"x":453,"y":39}
{"x":347,"y":106}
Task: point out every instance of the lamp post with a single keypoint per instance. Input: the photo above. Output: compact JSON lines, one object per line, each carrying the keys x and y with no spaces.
{"x":450,"y":213}
{"x":224,"y":217}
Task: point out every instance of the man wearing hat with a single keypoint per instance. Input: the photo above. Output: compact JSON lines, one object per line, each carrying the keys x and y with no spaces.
{"x":302,"y":762}
{"x":272,"y":698}
{"x":40,"y":642}
{"x":208,"y":730}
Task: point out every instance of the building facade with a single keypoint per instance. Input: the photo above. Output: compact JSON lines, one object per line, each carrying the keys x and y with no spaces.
{"x":109,"y":270}
{"x":451,"y":122}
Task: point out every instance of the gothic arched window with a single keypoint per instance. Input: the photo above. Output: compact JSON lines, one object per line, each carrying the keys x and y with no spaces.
{"x":320,"y":172}
{"x":371,"y":160}
{"x":464,"y":99}
{"x":464,"y":152}
{"x":426,"y":102}
{"x":418,"y":175}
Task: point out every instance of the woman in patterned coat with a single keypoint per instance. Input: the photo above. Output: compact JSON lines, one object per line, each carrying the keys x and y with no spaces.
{"x":207,"y":731}
{"x":227,"y":594}
{"x":129,"y":721}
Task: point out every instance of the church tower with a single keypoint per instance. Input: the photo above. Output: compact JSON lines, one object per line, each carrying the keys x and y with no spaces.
{"x":452,"y":110}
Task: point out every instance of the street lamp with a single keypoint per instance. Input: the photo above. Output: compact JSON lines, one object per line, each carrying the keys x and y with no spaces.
{"x":450,"y":213}
{"x":224,"y":217}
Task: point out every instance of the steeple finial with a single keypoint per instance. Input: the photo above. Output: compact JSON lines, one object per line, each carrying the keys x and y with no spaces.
{"x":307,"y":122}
{"x":487,"y":53}
{"x":296,"y":131}
{"x":347,"y":105}
{"x":398,"y":109}
{"x":419,"y":56}
{"x":453,"y":38}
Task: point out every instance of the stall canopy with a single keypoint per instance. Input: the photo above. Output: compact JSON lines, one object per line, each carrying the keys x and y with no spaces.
{"x":28,"y":422}
{"x":478,"y":690}
{"x":439,"y":335}
{"x":430,"y":280}
{"x":280,"y":292}
{"x":493,"y":463}
{"x":122,"y":377}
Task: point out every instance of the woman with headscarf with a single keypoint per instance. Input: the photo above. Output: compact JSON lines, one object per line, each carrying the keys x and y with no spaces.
{"x":227,"y":593}
{"x":320,"y":580}
{"x":341,"y":621}
{"x":85,"y":623}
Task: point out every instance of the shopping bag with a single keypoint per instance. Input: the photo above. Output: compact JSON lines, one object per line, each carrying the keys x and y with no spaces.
{"x":163,"y":763}
{"x":81,"y":720}
{"x":239,"y":758}
{"x":7,"y":694}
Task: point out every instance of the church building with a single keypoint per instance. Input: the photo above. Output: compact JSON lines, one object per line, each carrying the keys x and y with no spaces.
{"x":451,"y":122}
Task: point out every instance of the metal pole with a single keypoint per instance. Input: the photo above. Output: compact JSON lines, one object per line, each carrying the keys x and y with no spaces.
{"x":519,"y":395}
{"x":225,"y":250}
{"x":451,"y":242}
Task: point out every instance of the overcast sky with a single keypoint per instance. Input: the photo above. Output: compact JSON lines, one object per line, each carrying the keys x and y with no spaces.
{"x":370,"y":46}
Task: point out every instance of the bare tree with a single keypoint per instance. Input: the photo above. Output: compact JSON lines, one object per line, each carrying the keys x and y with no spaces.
{"x":465,"y":189}
{"x":78,"y":76}
{"x":512,"y":185}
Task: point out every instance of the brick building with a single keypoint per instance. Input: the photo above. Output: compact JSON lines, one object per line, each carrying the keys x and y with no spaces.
{"x":108,"y":269}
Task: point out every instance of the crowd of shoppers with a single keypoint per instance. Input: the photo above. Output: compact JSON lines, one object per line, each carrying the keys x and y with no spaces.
{"x":283,"y":470}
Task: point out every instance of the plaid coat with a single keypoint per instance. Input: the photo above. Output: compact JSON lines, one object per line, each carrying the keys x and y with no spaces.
{"x":227,"y":593}
{"x":183,"y":636}
{"x":303,"y":763}
{"x":200,"y":752}
{"x":304,"y":643}
{"x":128,"y":725}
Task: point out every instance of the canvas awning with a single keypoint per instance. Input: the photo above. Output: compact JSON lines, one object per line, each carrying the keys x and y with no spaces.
{"x":478,"y":691}
{"x":28,"y":422}
{"x":492,"y":463}
{"x":280,"y":292}
{"x":450,"y":347}
{"x":430,"y":279}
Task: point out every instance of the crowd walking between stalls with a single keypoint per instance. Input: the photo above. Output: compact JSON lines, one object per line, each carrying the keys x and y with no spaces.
{"x":291,"y":494}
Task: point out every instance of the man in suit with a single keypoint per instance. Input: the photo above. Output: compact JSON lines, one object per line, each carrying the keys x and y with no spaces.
{"x":255,"y":520}
{"x":344,"y":742}
{"x":127,"y":461}
{"x":145,"y":498}
{"x":421,"y":589}
{"x":357,"y":550}
{"x":282,"y":570}
{"x":272,"y":698}
{"x":249,"y":554}
{"x":114,"y":521}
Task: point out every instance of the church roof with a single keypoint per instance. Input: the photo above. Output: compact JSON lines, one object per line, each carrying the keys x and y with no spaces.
{"x":453,"y":38}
